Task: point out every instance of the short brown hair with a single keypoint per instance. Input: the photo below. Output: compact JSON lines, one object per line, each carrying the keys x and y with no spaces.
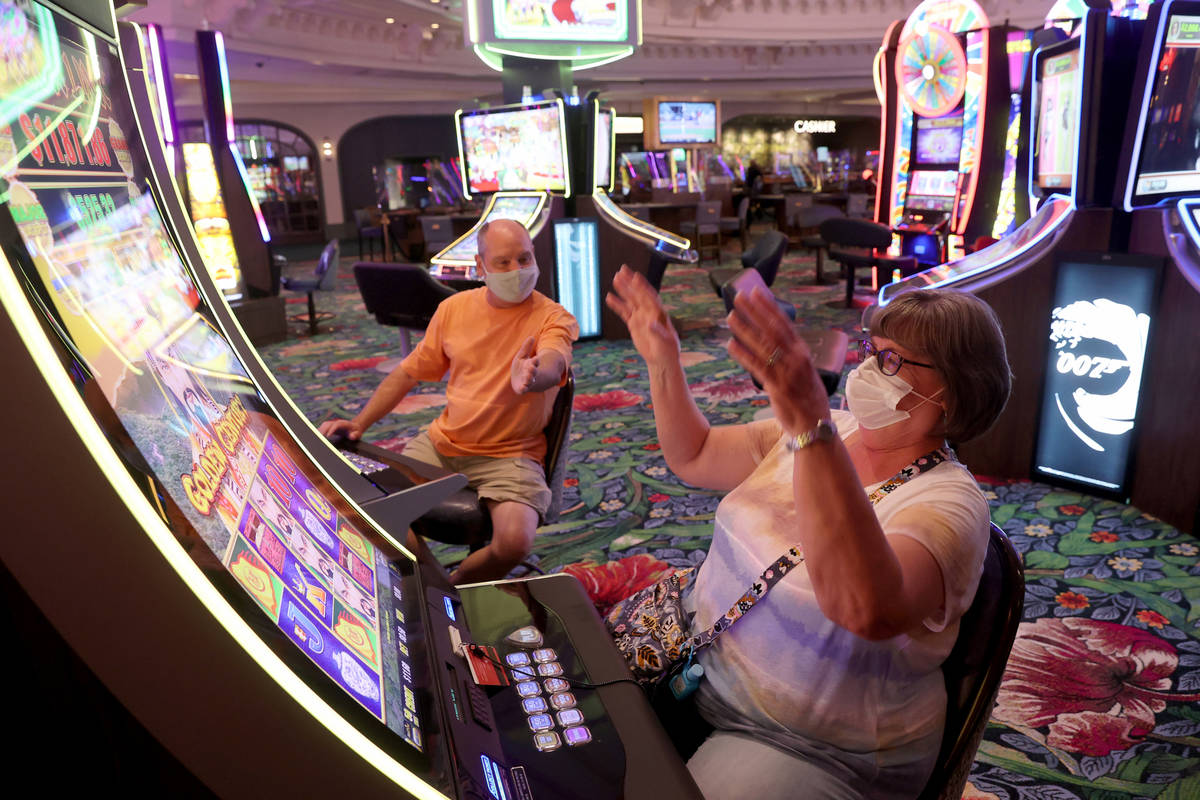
{"x":961,"y":336}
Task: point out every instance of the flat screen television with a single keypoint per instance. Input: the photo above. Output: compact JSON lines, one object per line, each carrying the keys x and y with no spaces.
{"x":932,"y":190}
{"x":514,"y":148}
{"x":681,"y":122}
{"x":1058,"y":97}
{"x":544,"y":22}
{"x":939,"y":139}
{"x":1167,"y":149}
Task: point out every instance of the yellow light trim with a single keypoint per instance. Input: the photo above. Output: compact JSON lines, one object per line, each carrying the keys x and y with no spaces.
{"x":472,"y":21}
{"x":490,"y":59}
{"x":578,"y":62}
{"x":81,"y":419}
{"x":466,"y":186}
{"x":441,"y":261}
{"x":638,"y":227}
{"x":638,"y":3}
{"x":562,"y":142}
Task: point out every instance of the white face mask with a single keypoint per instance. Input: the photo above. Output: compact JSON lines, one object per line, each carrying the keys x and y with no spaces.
{"x":873,"y":396}
{"x":514,"y":286}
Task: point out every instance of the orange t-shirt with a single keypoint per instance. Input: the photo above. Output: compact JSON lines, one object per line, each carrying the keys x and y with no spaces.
{"x":477,"y":343}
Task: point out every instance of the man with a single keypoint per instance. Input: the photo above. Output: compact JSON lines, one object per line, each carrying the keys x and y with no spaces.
{"x":507,"y":349}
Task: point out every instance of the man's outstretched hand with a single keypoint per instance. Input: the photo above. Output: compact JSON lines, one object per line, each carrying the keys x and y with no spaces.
{"x":525,"y":367}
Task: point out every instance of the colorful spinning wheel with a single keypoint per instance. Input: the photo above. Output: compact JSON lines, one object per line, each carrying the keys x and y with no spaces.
{"x":932,"y":71}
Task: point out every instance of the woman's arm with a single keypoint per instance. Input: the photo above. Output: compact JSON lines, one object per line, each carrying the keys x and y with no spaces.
{"x":711,"y":458}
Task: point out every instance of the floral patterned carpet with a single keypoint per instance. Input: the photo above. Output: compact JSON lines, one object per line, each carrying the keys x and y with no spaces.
{"x":1099,"y":701}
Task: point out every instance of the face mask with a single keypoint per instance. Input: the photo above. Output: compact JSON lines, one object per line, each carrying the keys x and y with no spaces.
{"x":514,"y":286}
{"x":873,"y":396}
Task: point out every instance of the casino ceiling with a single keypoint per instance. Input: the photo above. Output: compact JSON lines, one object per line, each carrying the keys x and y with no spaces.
{"x":778,"y":56}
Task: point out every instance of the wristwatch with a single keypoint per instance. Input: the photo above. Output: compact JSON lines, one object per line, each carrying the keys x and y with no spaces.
{"x":825,"y":431}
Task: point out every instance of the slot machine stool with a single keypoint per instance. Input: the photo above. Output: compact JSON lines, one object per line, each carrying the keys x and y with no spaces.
{"x":463,"y":518}
{"x":856,"y":243}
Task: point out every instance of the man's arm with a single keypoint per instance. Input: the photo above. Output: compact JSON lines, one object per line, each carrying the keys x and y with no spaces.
{"x":390,"y":391}
{"x":536,"y":371}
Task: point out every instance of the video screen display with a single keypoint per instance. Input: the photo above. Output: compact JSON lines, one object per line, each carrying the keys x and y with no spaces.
{"x":256,"y":515}
{"x":1098,"y":337}
{"x":939,"y":139}
{"x":931,"y":190}
{"x":207,"y":207}
{"x":1169,"y":161}
{"x":514,"y":150}
{"x":522,"y":208}
{"x":687,"y":122}
{"x":556,"y":20}
{"x":1057,"y":134}
{"x":602,"y":169}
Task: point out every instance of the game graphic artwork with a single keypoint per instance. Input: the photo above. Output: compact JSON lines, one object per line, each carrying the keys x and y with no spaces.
{"x":563,"y":20}
{"x":1058,"y":113}
{"x":515,"y":150}
{"x":1170,"y":153}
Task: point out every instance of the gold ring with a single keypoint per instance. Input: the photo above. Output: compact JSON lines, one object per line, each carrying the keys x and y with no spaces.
{"x":771,"y":359}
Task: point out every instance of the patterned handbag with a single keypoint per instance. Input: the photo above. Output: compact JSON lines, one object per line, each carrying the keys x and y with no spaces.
{"x":651,"y":627}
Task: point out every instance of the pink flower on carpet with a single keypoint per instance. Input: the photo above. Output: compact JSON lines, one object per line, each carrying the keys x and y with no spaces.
{"x":357,"y":363}
{"x":610,"y":439}
{"x":1095,"y":686}
{"x":730,"y":390}
{"x":570,"y":481}
{"x":652,"y":446}
{"x":1152,"y":619}
{"x":659,"y":497}
{"x":1103,"y":536}
{"x":606,"y":401}
{"x":1072,"y":510}
{"x":608,"y":583}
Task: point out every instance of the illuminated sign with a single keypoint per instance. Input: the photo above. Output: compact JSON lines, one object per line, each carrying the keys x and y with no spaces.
{"x":1098,"y":339}
{"x":207,"y":207}
{"x":577,"y":272}
{"x":815,"y":126}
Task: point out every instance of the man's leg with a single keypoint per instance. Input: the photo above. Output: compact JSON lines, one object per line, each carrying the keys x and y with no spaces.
{"x":513,"y":527}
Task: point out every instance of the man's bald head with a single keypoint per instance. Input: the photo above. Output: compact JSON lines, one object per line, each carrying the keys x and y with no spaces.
{"x":502,"y":230}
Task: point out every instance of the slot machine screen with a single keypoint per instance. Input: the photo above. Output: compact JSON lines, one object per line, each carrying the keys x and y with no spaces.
{"x":939,"y":139}
{"x":1059,"y":89}
{"x":602,"y":170}
{"x":1169,"y":159}
{"x":515,"y":149}
{"x":327,"y":592}
{"x":932,"y":190}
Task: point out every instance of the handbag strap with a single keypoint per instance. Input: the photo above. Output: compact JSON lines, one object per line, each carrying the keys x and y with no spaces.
{"x":784,"y":564}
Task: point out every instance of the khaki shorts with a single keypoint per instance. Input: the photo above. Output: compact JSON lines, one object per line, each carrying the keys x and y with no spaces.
{"x":521,"y":480}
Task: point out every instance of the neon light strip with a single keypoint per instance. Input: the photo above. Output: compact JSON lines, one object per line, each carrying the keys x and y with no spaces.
{"x":80,"y":418}
{"x":47,"y":81}
{"x":160,"y":71}
{"x":241,"y":168}
{"x":980,"y":102}
{"x":93,"y":61}
{"x":1073,"y":476}
{"x":440,"y":261}
{"x":472,"y":20}
{"x":578,"y":62}
{"x":458,"y":129}
{"x":1186,"y":208}
{"x":1141,"y":124}
{"x":637,"y":227}
{"x":226,"y":97}
{"x":1035,"y":114}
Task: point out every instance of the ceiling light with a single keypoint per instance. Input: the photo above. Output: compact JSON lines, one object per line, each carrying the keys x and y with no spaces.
{"x":435,"y":26}
{"x":390,"y":20}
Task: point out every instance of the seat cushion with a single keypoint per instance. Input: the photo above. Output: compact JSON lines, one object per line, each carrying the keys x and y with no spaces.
{"x":853,"y":258}
{"x":299,"y":284}
{"x":461,"y":518}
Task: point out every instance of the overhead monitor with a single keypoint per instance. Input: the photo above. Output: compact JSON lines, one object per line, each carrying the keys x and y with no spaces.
{"x":1167,"y":149}
{"x":531,"y":22}
{"x":939,"y":139}
{"x":514,"y":148}
{"x":324,"y":600}
{"x":1098,"y":338}
{"x":681,"y":122}
{"x":1059,"y":96}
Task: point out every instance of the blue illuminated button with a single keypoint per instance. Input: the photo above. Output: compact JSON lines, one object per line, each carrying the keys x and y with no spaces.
{"x":541,"y":722}
{"x":545,"y":654}
{"x":449,"y":605}
{"x":569,"y":717}
{"x":577,"y":735}
{"x":547,"y":741}
{"x":523,"y":673}
{"x":517,"y":659}
{"x":562,"y":700}
{"x":555,"y":685}
{"x":534,"y":705}
{"x":549,"y":670}
{"x":528,"y":689}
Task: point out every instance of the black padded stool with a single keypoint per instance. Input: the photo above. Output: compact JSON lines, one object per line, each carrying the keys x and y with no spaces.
{"x":857,"y":243}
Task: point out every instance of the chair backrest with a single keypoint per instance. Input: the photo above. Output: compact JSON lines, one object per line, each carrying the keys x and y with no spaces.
{"x":849,"y":232}
{"x":327,"y":266}
{"x":438,"y":233}
{"x":743,"y":210}
{"x":795,"y":202}
{"x":405,"y":295}
{"x":812,"y":216}
{"x":766,"y":255}
{"x":976,"y":664}
{"x":708,"y":212}
{"x":558,"y":433}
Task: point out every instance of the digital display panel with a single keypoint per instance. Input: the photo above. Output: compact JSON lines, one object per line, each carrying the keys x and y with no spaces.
{"x":939,"y":139}
{"x":1098,"y":336}
{"x":602,"y":164}
{"x":561,"y":21}
{"x":931,"y":190}
{"x":523,"y":208}
{"x":1057,"y":135}
{"x":577,"y":272}
{"x":255,"y":514}
{"x":1169,"y":161}
{"x":687,"y":122}
{"x":514,"y":149}
{"x":207,"y":207}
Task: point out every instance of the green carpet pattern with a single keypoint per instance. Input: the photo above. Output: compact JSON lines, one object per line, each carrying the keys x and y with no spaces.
{"x":1100,"y":698}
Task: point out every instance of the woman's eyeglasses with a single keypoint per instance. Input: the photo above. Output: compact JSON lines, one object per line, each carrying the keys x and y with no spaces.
{"x":890,"y":361}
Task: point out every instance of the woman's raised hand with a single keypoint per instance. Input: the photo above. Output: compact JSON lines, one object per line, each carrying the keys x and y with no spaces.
{"x":634,"y":300}
{"x":766,"y":344}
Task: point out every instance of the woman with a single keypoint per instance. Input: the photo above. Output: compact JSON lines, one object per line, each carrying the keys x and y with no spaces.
{"x":832,"y":688}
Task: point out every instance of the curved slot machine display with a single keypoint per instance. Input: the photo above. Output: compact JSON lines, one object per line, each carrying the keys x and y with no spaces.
{"x":188,"y":535}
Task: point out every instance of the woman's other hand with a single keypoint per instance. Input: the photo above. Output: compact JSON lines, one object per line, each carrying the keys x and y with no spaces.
{"x":766,"y":344}
{"x":634,"y":300}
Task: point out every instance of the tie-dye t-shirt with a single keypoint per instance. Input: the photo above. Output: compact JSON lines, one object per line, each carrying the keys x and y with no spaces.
{"x":788,"y":670}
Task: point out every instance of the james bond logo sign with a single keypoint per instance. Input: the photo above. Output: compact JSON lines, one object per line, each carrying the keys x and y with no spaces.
{"x":1098,"y":337}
